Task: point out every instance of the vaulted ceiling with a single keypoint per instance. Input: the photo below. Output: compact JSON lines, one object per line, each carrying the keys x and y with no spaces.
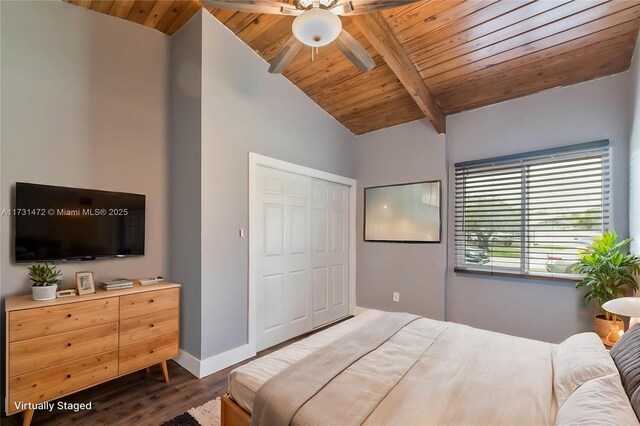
{"x":433,"y":57}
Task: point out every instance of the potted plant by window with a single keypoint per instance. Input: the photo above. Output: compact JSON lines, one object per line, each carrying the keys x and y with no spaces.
{"x":608,"y":274}
{"x":45,"y":281}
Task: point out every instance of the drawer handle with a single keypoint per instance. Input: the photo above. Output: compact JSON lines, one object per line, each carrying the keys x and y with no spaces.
{"x":68,"y":376}
{"x":152,"y":326}
{"x":68,"y":315}
{"x":151,"y":300}
{"x":151,"y":351}
{"x":69,"y":344}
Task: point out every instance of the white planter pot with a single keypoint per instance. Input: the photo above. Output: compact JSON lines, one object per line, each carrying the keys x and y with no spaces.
{"x":44,"y":292}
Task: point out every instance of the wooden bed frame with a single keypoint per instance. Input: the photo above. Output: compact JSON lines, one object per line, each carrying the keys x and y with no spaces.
{"x":232,"y":414}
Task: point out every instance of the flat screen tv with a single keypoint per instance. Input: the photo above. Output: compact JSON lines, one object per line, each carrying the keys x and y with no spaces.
{"x":54,"y":223}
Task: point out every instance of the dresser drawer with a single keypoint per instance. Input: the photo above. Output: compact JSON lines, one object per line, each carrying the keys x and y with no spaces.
{"x":148,"y":302}
{"x":51,"y":383}
{"x":143,"y":354}
{"x":38,"y":322}
{"x":42,"y":352}
{"x":137,"y":329}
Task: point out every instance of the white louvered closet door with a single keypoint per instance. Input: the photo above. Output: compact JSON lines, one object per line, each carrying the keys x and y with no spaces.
{"x":284,"y":289}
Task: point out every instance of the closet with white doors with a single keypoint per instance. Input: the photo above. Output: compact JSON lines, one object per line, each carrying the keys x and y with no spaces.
{"x":301,"y":254}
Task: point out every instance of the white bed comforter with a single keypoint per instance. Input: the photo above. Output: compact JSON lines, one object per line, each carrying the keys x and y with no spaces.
{"x":430,"y":372}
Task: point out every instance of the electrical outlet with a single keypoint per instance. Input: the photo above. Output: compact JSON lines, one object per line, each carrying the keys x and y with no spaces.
{"x":396,"y":296}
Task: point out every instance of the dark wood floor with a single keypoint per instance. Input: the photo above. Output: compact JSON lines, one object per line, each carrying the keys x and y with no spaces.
{"x":136,"y":398}
{"x":141,"y":399}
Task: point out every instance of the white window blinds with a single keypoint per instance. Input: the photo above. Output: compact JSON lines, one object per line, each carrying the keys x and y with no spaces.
{"x":531,"y":214}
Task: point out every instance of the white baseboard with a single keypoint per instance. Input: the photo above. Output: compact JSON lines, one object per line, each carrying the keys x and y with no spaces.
{"x":225,"y":359}
{"x":189,"y":362}
{"x":205,"y":367}
{"x":358,"y":310}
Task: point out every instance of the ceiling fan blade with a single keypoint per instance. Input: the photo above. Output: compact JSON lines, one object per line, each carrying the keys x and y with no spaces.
{"x":255,"y":6}
{"x":357,"y":7}
{"x":342,"y":8}
{"x":285,"y":55}
{"x":354,"y":51}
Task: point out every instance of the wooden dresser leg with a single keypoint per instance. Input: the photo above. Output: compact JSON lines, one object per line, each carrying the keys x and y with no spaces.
{"x":165,"y":371}
{"x":27,"y":415}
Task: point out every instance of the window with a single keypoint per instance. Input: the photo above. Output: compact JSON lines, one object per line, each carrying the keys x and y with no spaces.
{"x":531,"y":214}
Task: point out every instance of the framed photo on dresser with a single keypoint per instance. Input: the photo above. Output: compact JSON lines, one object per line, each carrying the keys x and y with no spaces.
{"x":85,"y":283}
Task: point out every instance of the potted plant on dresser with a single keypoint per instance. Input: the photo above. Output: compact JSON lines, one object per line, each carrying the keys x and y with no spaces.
{"x":608,"y":274}
{"x":45,"y":280}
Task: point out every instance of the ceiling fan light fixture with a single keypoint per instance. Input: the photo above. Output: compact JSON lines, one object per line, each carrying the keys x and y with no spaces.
{"x":317,"y":27}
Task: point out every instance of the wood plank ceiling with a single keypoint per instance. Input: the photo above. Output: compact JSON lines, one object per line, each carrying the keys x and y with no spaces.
{"x":468,"y":54}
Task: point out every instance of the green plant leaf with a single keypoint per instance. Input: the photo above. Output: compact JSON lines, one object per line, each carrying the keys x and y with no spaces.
{"x":44,"y":275}
{"x":607,"y":273}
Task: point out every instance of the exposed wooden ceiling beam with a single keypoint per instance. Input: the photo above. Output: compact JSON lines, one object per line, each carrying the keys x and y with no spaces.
{"x":376,"y":29}
{"x":469,"y":53}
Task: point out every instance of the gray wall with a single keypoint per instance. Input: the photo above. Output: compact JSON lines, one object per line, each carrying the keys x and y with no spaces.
{"x":634,"y":151}
{"x":409,"y":153}
{"x":84,"y":104}
{"x":185,"y":123}
{"x":537,"y":309}
{"x":244,"y":108}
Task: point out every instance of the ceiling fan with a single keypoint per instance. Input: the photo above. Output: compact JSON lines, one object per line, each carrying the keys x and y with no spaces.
{"x":317,"y":24}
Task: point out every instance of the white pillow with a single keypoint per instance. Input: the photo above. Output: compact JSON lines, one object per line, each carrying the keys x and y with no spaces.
{"x":577,"y":360}
{"x":600,"y":401}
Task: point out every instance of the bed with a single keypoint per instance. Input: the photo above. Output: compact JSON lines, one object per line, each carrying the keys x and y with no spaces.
{"x":383,"y":368}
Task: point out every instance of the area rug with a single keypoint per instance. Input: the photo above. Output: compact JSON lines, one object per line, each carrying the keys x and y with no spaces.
{"x":204,"y":415}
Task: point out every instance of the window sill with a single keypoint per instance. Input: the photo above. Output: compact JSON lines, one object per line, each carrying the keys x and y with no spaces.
{"x":515,"y":275}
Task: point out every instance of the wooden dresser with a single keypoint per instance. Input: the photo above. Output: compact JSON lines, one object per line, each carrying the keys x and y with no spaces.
{"x":61,"y":346}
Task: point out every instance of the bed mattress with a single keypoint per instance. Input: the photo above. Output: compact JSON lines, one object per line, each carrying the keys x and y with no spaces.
{"x":245,"y":381}
{"x":450,"y":372}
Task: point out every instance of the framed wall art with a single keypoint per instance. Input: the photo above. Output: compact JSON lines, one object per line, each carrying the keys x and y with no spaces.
{"x":403,"y":213}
